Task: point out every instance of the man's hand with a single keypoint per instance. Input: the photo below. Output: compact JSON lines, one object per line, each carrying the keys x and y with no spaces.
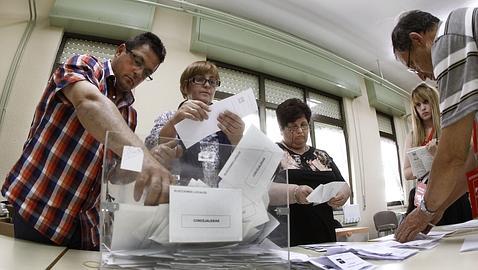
{"x":191,"y":109}
{"x":341,"y":197}
{"x":232,"y":125}
{"x":165,"y":153}
{"x":155,"y":180}
{"x":416,"y":222}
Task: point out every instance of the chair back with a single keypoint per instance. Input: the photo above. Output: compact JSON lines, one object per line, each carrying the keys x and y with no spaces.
{"x":385,"y":222}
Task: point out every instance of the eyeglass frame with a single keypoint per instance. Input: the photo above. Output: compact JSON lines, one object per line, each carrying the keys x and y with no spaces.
{"x":212,"y":82}
{"x":140,"y":64}
{"x":294,"y":129}
{"x":409,"y":62}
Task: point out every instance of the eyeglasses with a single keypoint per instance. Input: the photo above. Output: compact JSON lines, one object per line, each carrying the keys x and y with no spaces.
{"x":295,"y":129}
{"x":409,"y":63}
{"x":139,"y":63}
{"x":202,"y":81}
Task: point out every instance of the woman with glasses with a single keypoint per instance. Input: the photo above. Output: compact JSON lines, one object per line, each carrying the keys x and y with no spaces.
{"x":307,"y":168}
{"x":198,"y":85}
{"x":426,"y":131}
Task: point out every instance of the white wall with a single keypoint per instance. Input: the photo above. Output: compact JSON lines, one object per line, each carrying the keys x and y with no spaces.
{"x":163,"y":94}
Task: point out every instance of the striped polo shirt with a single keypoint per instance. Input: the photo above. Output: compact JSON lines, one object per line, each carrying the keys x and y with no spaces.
{"x":455,"y":65}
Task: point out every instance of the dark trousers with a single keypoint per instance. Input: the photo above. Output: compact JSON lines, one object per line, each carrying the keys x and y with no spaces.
{"x":27,"y":232}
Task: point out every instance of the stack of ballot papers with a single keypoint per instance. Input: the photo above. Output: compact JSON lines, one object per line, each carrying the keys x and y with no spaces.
{"x":374,"y":251}
{"x":200,"y":257}
{"x":459,"y":228}
{"x":379,"y":251}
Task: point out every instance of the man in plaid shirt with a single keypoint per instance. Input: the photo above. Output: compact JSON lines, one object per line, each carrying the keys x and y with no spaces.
{"x":55,"y":185}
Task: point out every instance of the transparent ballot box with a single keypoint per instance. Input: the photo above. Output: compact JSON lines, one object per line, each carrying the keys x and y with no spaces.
{"x":212,"y":206}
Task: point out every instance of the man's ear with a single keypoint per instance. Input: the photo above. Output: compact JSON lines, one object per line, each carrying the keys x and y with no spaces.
{"x":120,"y":49}
{"x":417,"y":39}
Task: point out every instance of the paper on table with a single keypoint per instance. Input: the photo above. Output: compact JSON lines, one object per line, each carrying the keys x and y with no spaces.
{"x":346,"y":260}
{"x":323,"y":193}
{"x":242,"y":104}
{"x":470,"y":243}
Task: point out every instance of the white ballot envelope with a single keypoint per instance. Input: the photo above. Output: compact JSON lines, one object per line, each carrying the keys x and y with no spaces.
{"x":252,"y":164}
{"x":420,"y":160}
{"x":198,"y":214}
{"x":323,"y":193}
{"x":133,"y":224}
{"x":242,"y":104}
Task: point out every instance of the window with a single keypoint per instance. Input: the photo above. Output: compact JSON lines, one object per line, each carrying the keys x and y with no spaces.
{"x":328,"y":130}
{"x":390,"y":160}
{"x":72,"y":44}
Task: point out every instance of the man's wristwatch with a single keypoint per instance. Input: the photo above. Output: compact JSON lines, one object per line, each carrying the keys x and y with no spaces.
{"x":425,"y":210}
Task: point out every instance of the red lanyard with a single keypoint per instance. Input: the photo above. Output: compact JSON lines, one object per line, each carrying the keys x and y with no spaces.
{"x":430,"y":137}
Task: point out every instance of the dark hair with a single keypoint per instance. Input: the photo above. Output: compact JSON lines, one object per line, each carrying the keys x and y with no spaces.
{"x":150,"y":39}
{"x":411,"y":21}
{"x":291,"y":110}
{"x":194,"y":69}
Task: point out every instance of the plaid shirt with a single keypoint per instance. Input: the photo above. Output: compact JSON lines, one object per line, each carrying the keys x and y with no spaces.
{"x":55,"y":185}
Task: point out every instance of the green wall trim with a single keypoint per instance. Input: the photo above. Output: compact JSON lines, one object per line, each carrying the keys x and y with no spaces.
{"x":116,"y":19}
{"x":385,"y":100}
{"x":251,"y":49}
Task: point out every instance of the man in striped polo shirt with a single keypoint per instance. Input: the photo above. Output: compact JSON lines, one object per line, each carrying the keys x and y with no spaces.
{"x":444,"y":51}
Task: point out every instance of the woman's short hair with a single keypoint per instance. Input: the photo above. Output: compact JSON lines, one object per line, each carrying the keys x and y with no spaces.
{"x":291,"y":110}
{"x":194,"y":69}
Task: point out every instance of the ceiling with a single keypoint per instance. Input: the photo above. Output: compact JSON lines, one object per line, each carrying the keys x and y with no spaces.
{"x":358,"y":31}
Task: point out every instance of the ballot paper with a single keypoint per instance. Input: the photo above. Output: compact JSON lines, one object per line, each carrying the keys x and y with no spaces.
{"x":134,"y":224}
{"x":252,"y":164}
{"x":250,"y":168}
{"x":242,"y":104}
{"x":344,"y":261}
{"x":470,"y":243}
{"x":199,"y":214}
{"x":351,"y":213}
{"x":132,"y":158}
{"x":323,"y":193}
{"x":420,"y":160}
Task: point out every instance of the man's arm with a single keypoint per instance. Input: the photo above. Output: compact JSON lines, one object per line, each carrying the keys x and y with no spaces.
{"x":98,"y":115}
{"x":449,"y":165}
{"x":446,"y":178}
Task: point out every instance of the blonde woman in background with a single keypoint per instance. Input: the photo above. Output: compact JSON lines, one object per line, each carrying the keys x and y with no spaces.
{"x":425,"y":132}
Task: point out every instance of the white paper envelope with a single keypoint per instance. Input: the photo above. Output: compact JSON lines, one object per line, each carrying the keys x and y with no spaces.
{"x":242,"y":104}
{"x":132,"y":224}
{"x":204,"y":214}
{"x":323,"y":193}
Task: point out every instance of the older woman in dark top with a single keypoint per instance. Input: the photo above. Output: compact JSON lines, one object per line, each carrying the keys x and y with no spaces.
{"x":307,"y":167}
